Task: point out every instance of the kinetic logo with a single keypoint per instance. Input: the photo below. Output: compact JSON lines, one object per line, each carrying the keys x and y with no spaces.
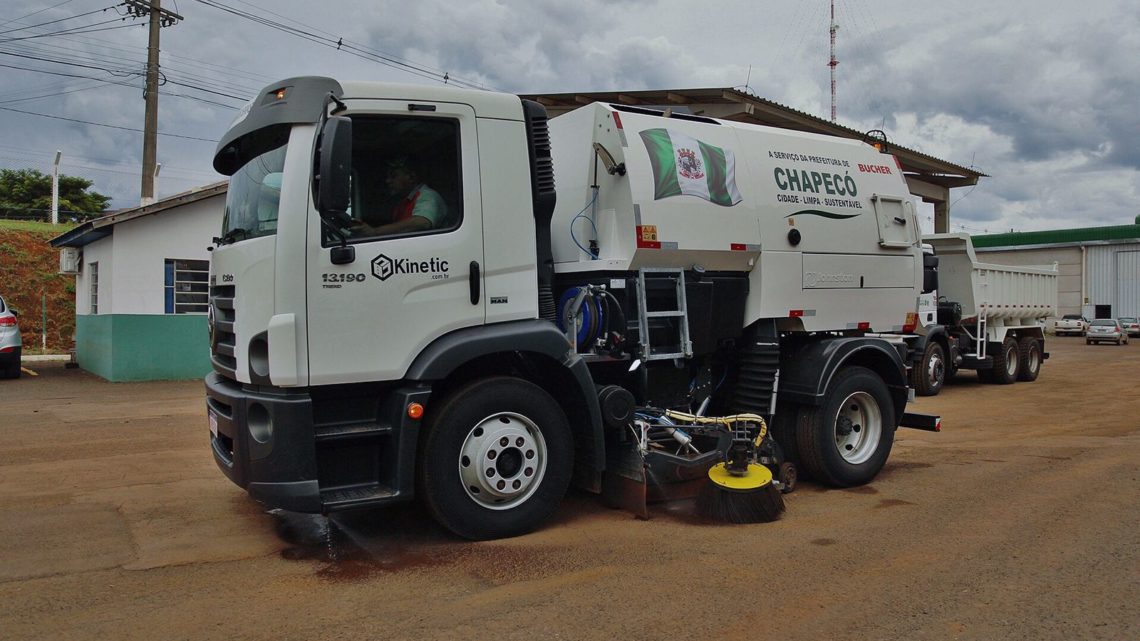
{"x":385,"y":267}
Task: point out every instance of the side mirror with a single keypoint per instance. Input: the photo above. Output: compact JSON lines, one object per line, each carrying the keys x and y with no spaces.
{"x":334,"y":167}
{"x":929,"y":273}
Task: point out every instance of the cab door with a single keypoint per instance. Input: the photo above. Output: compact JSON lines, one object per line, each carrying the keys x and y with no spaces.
{"x":369,"y":318}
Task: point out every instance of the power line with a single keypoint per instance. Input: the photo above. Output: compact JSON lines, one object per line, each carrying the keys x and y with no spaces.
{"x":348,"y":47}
{"x":75,"y":30}
{"x":42,"y":24}
{"x":100,"y":124}
{"x":7,"y":22}
{"x":114,"y":162}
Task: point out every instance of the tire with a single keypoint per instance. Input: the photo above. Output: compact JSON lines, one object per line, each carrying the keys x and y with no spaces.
{"x":784,"y":431}
{"x":929,"y":375}
{"x":1006,"y":363}
{"x":1087,"y":342}
{"x":846,"y":441}
{"x":1029,"y":359}
{"x":495,"y":459}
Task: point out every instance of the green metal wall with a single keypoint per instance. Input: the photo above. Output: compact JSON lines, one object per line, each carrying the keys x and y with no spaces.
{"x":143,"y":347}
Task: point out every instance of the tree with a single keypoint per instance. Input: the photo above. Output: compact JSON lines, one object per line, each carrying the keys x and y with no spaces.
{"x":26,"y":194}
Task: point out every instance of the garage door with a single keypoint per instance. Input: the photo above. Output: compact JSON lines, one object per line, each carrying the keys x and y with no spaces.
{"x":1127,"y":283}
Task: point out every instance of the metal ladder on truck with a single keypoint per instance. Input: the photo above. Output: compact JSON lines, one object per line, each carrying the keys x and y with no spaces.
{"x":645,"y":277}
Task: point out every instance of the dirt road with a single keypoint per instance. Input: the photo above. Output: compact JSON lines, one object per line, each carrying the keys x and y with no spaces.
{"x":1020,"y":521}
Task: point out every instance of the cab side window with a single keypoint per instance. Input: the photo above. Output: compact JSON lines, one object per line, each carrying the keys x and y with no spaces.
{"x":406,"y":177}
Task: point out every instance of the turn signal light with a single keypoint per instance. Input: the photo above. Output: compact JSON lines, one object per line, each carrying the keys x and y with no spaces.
{"x":415,"y":411}
{"x":911,"y":322}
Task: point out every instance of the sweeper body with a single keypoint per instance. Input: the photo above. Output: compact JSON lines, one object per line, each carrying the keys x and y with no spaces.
{"x":403,"y":305}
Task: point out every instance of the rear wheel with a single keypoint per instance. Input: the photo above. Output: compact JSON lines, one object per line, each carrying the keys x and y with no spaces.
{"x":495,"y":459}
{"x":846,"y":440}
{"x":1005,"y":368}
{"x":1029,"y":357}
{"x":929,"y":374}
{"x":784,"y":431}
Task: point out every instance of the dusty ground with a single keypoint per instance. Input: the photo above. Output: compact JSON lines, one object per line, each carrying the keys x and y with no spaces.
{"x":1020,"y":521}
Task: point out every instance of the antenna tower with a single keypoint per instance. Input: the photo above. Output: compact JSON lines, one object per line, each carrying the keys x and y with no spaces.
{"x":833,"y":62}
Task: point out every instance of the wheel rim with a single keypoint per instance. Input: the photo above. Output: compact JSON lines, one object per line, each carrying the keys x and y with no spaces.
{"x":1011,"y":361}
{"x":858,"y":427}
{"x":502,"y":460}
{"x":935,"y":370}
{"x":1034,"y":359}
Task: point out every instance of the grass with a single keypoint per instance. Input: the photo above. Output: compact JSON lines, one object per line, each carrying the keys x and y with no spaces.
{"x":36,"y":227}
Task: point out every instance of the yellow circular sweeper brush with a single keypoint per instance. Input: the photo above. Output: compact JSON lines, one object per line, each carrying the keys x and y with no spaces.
{"x":748,"y":497}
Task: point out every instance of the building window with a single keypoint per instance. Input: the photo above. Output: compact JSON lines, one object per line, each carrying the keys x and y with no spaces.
{"x":94,"y":287}
{"x":187,"y":286}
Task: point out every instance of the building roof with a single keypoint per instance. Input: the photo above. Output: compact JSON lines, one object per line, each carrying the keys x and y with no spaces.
{"x":740,"y":106}
{"x":1077,"y":236}
{"x":93,"y":230}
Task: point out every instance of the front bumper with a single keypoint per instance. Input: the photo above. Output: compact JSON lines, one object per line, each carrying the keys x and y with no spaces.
{"x":264,"y":443}
{"x":316,"y":449}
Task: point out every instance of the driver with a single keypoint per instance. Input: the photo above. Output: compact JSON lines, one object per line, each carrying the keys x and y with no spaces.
{"x":420,"y":208}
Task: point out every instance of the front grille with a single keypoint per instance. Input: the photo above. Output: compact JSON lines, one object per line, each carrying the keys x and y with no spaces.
{"x":222,"y":338}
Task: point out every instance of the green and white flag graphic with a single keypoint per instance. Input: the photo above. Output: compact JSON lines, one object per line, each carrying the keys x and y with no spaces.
{"x":683,"y":165}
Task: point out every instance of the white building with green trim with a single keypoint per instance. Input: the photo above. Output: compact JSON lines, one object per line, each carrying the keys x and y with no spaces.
{"x":141,"y":290}
{"x":1099,"y":266}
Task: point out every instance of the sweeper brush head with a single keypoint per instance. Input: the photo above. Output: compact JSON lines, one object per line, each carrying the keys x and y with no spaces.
{"x":735,"y":498}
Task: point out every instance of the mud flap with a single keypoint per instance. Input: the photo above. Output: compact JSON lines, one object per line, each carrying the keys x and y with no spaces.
{"x":625,"y":483}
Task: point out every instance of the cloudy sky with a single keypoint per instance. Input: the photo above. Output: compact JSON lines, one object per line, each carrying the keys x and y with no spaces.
{"x":1043,"y":96}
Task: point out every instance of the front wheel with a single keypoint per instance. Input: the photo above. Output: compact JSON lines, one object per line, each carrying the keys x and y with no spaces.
{"x":496,"y":459}
{"x":928,"y":376}
{"x":846,"y":441}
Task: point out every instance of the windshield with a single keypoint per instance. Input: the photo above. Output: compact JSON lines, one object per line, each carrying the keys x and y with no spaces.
{"x":253,"y":197}
{"x":1071,"y":317}
{"x":1104,"y":323}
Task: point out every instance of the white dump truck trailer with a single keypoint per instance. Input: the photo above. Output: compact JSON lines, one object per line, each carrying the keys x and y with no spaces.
{"x":985,"y":317}
{"x":402,"y":305}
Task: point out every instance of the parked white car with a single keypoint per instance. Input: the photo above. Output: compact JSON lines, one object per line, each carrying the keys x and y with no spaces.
{"x":11,"y":345}
{"x":1070,"y":324}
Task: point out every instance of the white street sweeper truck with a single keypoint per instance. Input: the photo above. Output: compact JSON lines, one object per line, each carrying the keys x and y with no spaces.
{"x":400,"y":305}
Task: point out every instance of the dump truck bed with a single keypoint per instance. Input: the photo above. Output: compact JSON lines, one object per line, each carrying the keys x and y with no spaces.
{"x":1015,"y":294}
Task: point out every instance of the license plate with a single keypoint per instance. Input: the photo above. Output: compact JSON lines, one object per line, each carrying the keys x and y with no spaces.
{"x":213,"y":420}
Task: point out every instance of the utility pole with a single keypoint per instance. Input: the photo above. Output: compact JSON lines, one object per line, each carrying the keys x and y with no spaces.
{"x":833,"y":62}
{"x":159,"y":18}
{"x":55,"y":188}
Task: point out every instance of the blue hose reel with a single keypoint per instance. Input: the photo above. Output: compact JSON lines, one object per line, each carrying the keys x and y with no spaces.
{"x":588,"y":319}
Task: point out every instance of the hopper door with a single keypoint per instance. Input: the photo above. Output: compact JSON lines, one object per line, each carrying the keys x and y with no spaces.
{"x":897,"y":224}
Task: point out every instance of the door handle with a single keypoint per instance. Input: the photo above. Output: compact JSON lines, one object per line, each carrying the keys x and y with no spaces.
{"x":474,"y":282}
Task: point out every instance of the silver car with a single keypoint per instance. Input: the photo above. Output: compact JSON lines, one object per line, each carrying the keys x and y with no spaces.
{"x":1130,"y":325}
{"x":1106,"y":329}
{"x":11,"y":345}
